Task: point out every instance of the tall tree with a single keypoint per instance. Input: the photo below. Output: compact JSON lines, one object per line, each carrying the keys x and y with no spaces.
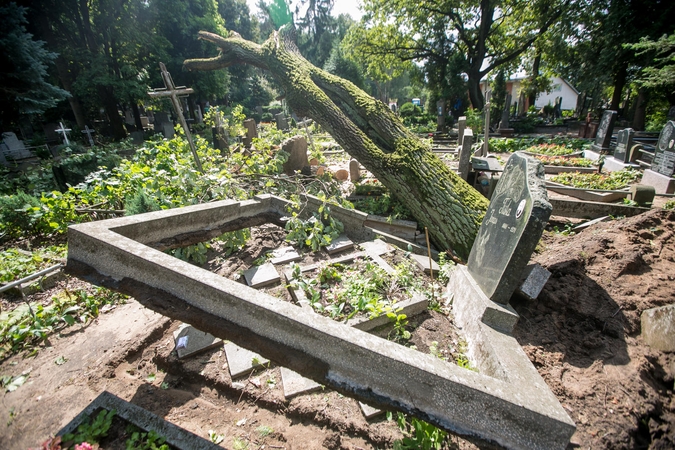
{"x":24,"y":81}
{"x":369,"y":131}
{"x":486,"y":34}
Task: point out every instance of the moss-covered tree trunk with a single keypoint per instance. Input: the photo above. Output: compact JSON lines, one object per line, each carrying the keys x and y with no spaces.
{"x":368,"y":131}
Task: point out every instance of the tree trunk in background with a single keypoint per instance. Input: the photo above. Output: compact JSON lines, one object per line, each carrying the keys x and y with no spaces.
{"x":619,"y":84}
{"x":367,"y":130}
{"x":137,"y":116}
{"x":110,"y":104}
{"x":640,"y":110}
{"x":532,"y":97}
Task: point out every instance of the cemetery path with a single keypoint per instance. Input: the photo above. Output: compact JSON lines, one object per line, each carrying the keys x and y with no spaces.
{"x":583,"y":332}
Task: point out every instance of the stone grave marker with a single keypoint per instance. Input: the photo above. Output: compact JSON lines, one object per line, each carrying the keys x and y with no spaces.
{"x":465,"y":154}
{"x":64,"y":131}
{"x":295,"y":384}
{"x":513,"y":224}
{"x":354,"y":171}
{"x":461,"y":126}
{"x":282,"y":122}
{"x":422,"y":262}
{"x":604,"y":134}
{"x":14,"y":147}
{"x":296,"y":147}
{"x":259,"y":276}
{"x":284,"y":255}
{"x":241,"y":361}
{"x":624,"y":143}
{"x":190,"y":341}
{"x":664,"y":153}
{"x":88,"y":131}
{"x":251,"y":128}
{"x":161,"y":118}
{"x":340,"y":244}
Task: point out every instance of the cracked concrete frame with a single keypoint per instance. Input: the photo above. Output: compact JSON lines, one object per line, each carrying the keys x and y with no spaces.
{"x":507,"y":403}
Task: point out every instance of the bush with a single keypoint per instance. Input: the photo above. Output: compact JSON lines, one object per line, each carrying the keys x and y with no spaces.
{"x":409,"y":110}
{"x":267,"y":117}
{"x":15,"y":216}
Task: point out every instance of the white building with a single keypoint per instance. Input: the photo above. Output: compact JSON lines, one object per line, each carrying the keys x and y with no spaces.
{"x":559,"y":88}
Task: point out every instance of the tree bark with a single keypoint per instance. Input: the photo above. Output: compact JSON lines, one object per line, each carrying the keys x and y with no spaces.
{"x":619,"y":84}
{"x":640,"y":109}
{"x":437,"y":197}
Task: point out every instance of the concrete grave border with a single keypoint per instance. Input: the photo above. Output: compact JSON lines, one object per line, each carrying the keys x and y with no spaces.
{"x":508,"y":403}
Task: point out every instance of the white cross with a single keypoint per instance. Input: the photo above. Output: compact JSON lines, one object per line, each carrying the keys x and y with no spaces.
{"x":64,"y":131}
{"x":88,"y":131}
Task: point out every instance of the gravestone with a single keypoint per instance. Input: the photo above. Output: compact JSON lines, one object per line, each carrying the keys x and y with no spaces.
{"x":251,"y":128}
{"x":13,"y":148}
{"x":465,"y":154}
{"x":624,"y":143}
{"x":282,"y":122}
{"x":161,"y":118}
{"x":461,"y":126}
{"x":191,"y":341}
{"x":664,"y":153}
{"x":64,"y":131}
{"x":354,"y":170}
{"x":88,"y":131}
{"x":296,"y":147}
{"x":504,"y":129}
{"x":604,"y":134}
{"x":440,"y":120}
{"x":518,"y":211}
{"x":51,"y":136}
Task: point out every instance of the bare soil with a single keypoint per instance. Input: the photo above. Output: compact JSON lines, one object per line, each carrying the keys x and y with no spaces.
{"x":582,"y":334}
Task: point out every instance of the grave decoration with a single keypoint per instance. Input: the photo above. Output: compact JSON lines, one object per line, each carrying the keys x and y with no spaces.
{"x":170,"y":90}
{"x":64,"y":131}
{"x":511,"y":229}
{"x":604,"y":133}
{"x":88,"y":131}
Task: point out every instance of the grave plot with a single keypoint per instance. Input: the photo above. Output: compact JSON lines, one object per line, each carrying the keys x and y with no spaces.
{"x":126,"y":254}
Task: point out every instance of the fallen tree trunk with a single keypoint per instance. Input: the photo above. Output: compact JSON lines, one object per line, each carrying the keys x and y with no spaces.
{"x":367,"y":130}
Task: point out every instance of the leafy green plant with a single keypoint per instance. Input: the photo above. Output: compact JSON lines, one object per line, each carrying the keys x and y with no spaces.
{"x":196,"y":253}
{"x":92,"y":431}
{"x":565,"y":162}
{"x":419,"y":435}
{"x":399,"y":321}
{"x":670,"y":204}
{"x":215,"y":437}
{"x":15,"y":217}
{"x":29,"y":324}
{"x":316,"y":232}
{"x":550,"y":149}
{"x":239,"y":444}
{"x":140,"y":440}
{"x":612,"y":181}
{"x":264,"y":431}
{"x":16,"y":263}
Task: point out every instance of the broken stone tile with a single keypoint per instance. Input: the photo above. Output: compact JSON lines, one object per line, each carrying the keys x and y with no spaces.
{"x":423,"y":263}
{"x":295,"y":384}
{"x":259,"y":276}
{"x":190,"y":341}
{"x":368,"y":411}
{"x":340,"y":244}
{"x":658,"y":327}
{"x":284,"y":255}
{"x":382,"y":263}
{"x":376,"y":247}
{"x":534,"y":279}
{"x":241,"y":361}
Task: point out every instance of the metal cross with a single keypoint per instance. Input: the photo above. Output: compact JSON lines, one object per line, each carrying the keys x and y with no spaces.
{"x":170,"y":90}
{"x":88,"y":131}
{"x":64,"y":131}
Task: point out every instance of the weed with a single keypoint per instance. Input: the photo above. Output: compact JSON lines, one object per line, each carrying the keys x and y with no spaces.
{"x":16,"y":263}
{"x":419,"y":435}
{"x":612,"y":181}
{"x":92,"y":432}
{"x":264,"y":431}
{"x":215,"y":437}
{"x":140,"y":440}
{"x":239,"y":444}
{"x":316,"y":232}
{"x":670,"y":204}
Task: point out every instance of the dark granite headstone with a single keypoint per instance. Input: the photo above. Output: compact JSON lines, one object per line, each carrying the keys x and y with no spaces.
{"x":664,"y":154}
{"x":624,"y":143}
{"x":604,"y":134}
{"x":511,"y":229}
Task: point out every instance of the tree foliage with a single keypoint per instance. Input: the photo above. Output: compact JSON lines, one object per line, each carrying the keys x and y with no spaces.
{"x":24,"y":81}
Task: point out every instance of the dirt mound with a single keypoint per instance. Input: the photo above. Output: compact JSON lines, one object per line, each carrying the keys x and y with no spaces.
{"x":583,"y":333}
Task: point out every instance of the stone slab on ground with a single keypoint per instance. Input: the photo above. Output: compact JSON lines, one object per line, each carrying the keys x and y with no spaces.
{"x":377,"y":259}
{"x":284,"y":255}
{"x":340,"y":244}
{"x":661,"y":183}
{"x":612,"y":164}
{"x":369,"y":412}
{"x":422,"y":262}
{"x":376,"y":247}
{"x":295,"y":384}
{"x":241,"y":361}
{"x":658,"y":328}
{"x":190,"y":341}
{"x":260,"y":276}
{"x":534,"y":279}
{"x":174,"y":435}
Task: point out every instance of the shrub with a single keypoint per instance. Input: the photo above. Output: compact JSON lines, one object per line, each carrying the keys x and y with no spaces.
{"x":15,"y":214}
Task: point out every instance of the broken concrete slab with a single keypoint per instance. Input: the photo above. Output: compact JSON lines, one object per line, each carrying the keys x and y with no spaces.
{"x":285,"y":255}
{"x":511,"y":406}
{"x":592,"y":210}
{"x":241,"y":361}
{"x":340,"y":244}
{"x":658,"y":328}
{"x":423,"y":263}
{"x":174,"y":435}
{"x":260,"y":276}
{"x":190,"y":341}
{"x":369,"y":412}
{"x":295,"y":384}
{"x":376,"y":247}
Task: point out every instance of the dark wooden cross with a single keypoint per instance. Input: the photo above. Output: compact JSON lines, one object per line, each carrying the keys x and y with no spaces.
{"x":88,"y":131}
{"x":170,"y":90}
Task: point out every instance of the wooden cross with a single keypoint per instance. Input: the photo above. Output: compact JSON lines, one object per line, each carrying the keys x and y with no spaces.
{"x":88,"y":131}
{"x":170,"y":90}
{"x":64,"y":131}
